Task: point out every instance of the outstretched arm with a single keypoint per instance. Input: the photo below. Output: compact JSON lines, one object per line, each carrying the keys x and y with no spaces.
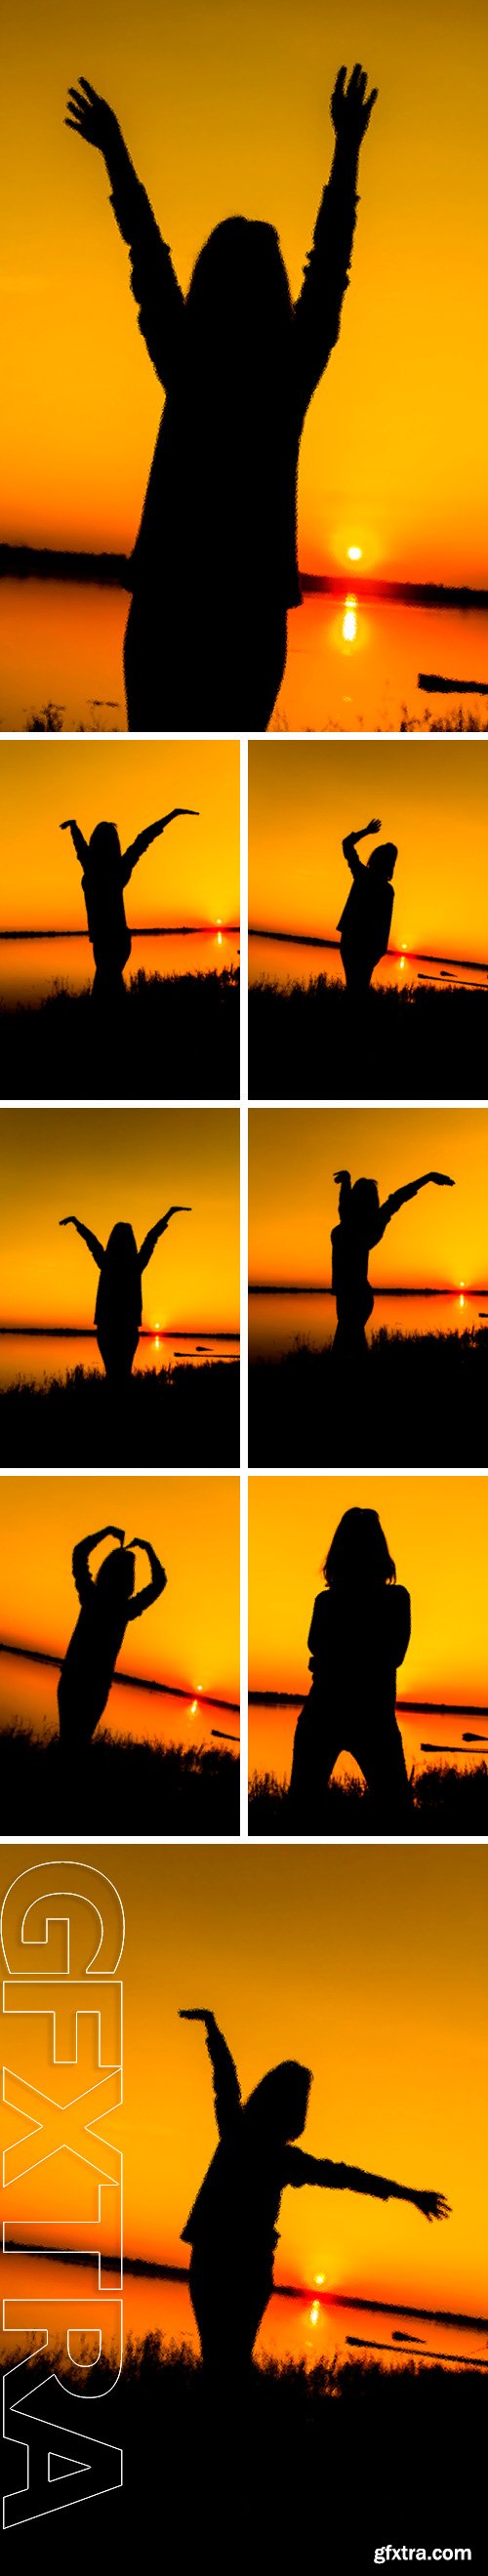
{"x":399,"y":1198}
{"x":80,"y":845}
{"x":345,"y":1187}
{"x":318,"y":311}
{"x":350,"y":847}
{"x":301,"y":2168}
{"x":153,"y":281}
{"x":151,"y":1239}
{"x":80,"y":1560}
{"x":94,"y":1246}
{"x":144,"y":839}
{"x":151,"y":1591}
{"x":227,"y":2091}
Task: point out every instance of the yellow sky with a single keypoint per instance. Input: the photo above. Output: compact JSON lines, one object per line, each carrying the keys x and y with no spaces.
{"x":432,"y":798}
{"x":191,"y":1635}
{"x":368,"y":1965}
{"x":439,"y":1240}
{"x":107,"y":1165}
{"x":226,"y":109}
{"x":190,"y":875}
{"x":437,"y":1533}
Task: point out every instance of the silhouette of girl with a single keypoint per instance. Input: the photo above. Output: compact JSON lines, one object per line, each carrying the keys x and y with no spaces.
{"x":359,"y":1634}
{"x":365,"y":923}
{"x":362,"y":1223}
{"x":107,"y":1602}
{"x":238,"y":2204}
{"x":215,"y":563}
{"x":118,"y":1309}
{"x":106,"y":870}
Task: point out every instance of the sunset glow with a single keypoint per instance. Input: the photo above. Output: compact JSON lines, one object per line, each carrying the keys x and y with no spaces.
{"x":437,"y":1533}
{"x":120,"y":1164}
{"x":293,"y":1154}
{"x":432,"y":798}
{"x":180,"y":880}
{"x":193,"y":1523}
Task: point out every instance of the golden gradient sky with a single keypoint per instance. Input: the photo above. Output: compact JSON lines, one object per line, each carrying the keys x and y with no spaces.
{"x":190,"y":875}
{"x":191,"y":1636}
{"x":437,"y":1533}
{"x":226,"y":109}
{"x":368,"y":1965}
{"x":106,"y":1165}
{"x":433,"y":801}
{"x":436,"y":1241}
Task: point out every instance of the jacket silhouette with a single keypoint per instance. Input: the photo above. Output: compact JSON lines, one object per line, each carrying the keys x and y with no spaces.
{"x":118,"y":1306}
{"x":365,"y":922}
{"x":215,"y":563}
{"x":362,"y":1223}
{"x":232,"y":2228}
{"x":107,"y":1603}
{"x":359,"y":1635}
{"x":106,"y":870}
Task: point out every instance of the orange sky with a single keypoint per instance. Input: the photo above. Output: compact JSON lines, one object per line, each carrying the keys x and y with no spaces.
{"x":191,"y":1635}
{"x":368,"y":1964}
{"x":190,"y":875}
{"x":437,"y":1533}
{"x":438,"y":1240}
{"x":226,"y":110}
{"x":128,"y":1164}
{"x":433,"y":801}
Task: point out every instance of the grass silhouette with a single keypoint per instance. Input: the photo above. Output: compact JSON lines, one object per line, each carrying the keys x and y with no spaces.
{"x":423,"y":1396}
{"x":446,"y":1799}
{"x":351,"y":2452}
{"x":309,"y":1043}
{"x":175,"y":1416}
{"x":124,"y":1785}
{"x":171,"y":1037}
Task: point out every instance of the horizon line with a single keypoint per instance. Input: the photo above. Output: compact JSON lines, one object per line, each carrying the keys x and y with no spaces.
{"x":129,"y":1681}
{"x":147,"y":1333}
{"x":416,"y":1707}
{"x":304,"y":1288}
{"x":113,"y":565}
{"x":140,"y":2264}
{"x":317,"y":939}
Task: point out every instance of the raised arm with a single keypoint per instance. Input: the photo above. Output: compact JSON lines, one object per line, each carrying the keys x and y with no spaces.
{"x":226,"y":2086}
{"x":79,"y":844}
{"x":151,"y":1239}
{"x":318,"y":310}
{"x":151,"y":1591}
{"x":152,"y":832}
{"x":399,"y":1198}
{"x":80,"y":1559}
{"x":153,"y":281}
{"x":345,"y":1186}
{"x":301,"y":2168}
{"x":350,"y":847}
{"x":96,"y":1248}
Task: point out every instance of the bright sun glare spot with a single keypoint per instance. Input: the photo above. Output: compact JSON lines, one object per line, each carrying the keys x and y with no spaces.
{"x":193,"y":1709}
{"x":349,"y":626}
{"x":319,"y":2280}
{"x":354,"y":554}
{"x":314,"y":2313}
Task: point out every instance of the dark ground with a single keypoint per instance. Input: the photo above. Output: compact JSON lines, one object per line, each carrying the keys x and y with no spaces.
{"x":308,"y":1043}
{"x":423,"y":1397}
{"x":174,"y":1417}
{"x":317,"y":2468}
{"x":446,"y":1801}
{"x":174,"y":1037}
{"x":123,"y":1787}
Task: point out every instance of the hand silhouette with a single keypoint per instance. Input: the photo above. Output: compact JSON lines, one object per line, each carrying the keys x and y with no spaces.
{"x":375,"y":826}
{"x":112,"y":1532}
{"x":195,"y":2015}
{"x":91,"y":116}
{"x":67,"y":1220}
{"x":349,"y":107}
{"x":431,"y":2204}
{"x":338,"y":1176}
{"x":68,"y":825}
{"x":443,"y":1180}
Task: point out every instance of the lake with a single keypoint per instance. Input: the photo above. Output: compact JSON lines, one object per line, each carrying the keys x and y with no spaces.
{"x":28,"y":1693}
{"x":350,"y":666}
{"x":46,"y":1355}
{"x":278,"y":1319}
{"x":31,"y":967}
{"x":271,"y":1732}
{"x":298,"y":961}
{"x":306,"y":2327}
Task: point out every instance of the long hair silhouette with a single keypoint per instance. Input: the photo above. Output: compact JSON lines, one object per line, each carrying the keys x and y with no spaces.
{"x":232,"y":2227}
{"x":362,"y":1223}
{"x":215,"y":564}
{"x":365,"y":922}
{"x":118,"y":1306}
{"x":107,"y":1602}
{"x":107,"y":869}
{"x":359,"y":1635}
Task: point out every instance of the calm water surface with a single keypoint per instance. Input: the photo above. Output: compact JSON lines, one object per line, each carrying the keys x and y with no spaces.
{"x":303,"y":2328}
{"x":31,"y":968}
{"x":277,"y":1320}
{"x":349,"y":666}
{"x":289,"y":961}
{"x":271,"y":1732}
{"x":28,"y":1693}
{"x":46,"y":1355}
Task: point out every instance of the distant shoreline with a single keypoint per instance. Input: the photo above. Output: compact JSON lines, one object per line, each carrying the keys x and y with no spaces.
{"x":86,"y":1333}
{"x":155,"y":930}
{"x":412,"y":1707}
{"x":282,"y":1288}
{"x":114,"y":571}
{"x":140,"y":2267}
{"x":129,"y":1681}
{"x":312,"y":939}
